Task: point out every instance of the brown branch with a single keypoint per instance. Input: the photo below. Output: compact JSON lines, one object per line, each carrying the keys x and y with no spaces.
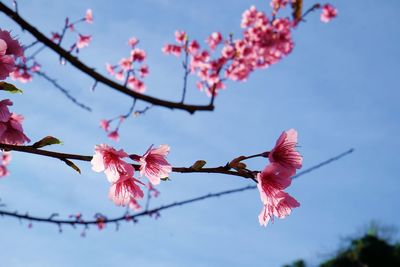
{"x":65,"y":156}
{"x":92,"y":73}
{"x":133,"y":217}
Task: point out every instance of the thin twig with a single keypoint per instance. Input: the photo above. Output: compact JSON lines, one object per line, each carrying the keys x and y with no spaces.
{"x":63,"y":90}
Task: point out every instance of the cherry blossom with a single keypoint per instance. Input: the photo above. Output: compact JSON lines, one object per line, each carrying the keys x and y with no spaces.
{"x":5,"y":114}
{"x":10,"y":50}
{"x":89,"y":16}
{"x":153,"y":164}
{"x":5,"y":158}
{"x":109,"y":160}
{"x":114,"y":135}
{"x":83,"y":41}
{"x":11,"y":132}
{"x":285,"y":153}
{"x":122,"y":191}
{"x":279,"y":205}
{"x":328,"y":13}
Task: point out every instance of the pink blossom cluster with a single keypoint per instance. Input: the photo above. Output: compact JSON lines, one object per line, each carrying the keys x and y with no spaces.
{"x":10,"y":50}
{"x":11,"y":133}
{"x":276,"y":176}
{"x":263,"y":42}
{"x":25,"y":70}
{"x":112,"y":134}
{"x":83,"y":39}
{"x":126,"y":70}
{"x":125,"y":189}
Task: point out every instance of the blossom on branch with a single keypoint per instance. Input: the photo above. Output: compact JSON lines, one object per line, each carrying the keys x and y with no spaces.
{"x":277,"y":176}
{"x":10,"y":50}
{"x":328,"y":13}
{"x":284,"y":152}
{"x":153,"y":164}
{"x":89,"y":16}
{"x":110,"y":161}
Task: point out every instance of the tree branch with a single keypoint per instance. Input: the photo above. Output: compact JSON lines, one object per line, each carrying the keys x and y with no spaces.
{"x":65,"y":156}
{"x":133,"y":217}
{"x":92,"y":73}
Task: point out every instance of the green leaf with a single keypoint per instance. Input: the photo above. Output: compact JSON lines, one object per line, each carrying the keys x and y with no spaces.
{"x":46,"y":141}
{"x":165,"y":179}
{"x":10,"y":88}
{"x":72,"y":165}
{"x":198,"y":165}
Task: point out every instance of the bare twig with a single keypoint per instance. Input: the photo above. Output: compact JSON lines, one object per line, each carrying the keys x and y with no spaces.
{"x":63,"y":90}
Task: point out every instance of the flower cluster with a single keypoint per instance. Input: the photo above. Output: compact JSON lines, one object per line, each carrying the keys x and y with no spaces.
{"x":11,"y":133}
{"x":125,"y":189}
{"x":10,"y":50}
{"x":25,"y":70}
{"x":276,"y":176}
{"x":126,"y":70}
{"x":263,"y":42}
{"x":83,"y":40}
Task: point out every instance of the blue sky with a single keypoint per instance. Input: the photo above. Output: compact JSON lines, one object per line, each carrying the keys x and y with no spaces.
{"x":339,"y":89}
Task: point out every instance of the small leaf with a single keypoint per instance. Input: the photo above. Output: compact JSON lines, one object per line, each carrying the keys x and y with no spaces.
{"x":46,"y":141}
{"x":236,"y":161}
{"x":165,"y":179}
{"x":72,"y":165}
{"x":198,"y":165}
{"x":240,"y":166}
{"x":10,"y":88}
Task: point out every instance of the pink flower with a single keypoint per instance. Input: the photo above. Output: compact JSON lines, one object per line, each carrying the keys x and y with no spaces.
{"x":138,"y":55}
{"x":110,"y":69}
{"x":134,"y":205}
{"x":5,"y":114}
{"x":89,"y":16}
{"x":136,"y":84}
{"x":132,"y":42}
{"x":144,"y":71}
{"x":105,"y":125}
{"x":83,"y":41}
{"x":194,"y":47}
{"x":328,"y":13}
{"x":284,"y":152}
{"x":279,"y":205}
{"x":110,"y":161}
{"x":5,"y":159}
{"x":55,"y":36}
{"x":180,"y":36}
{"x":100,"y":222}
{"x":125,"y":189}
{"x":214,"y":39}
{"x":114,"y":135}
{"x":125,"y":63}
{"x":21,"y":75}
{"x":272,"y":179}
{"x":13,"y":46}
{"x":153,"y":164}
{"x":120,"y":75}
{"x":11,"y":132}
{"x":10,"y":49}
{"x":172,"y":49}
